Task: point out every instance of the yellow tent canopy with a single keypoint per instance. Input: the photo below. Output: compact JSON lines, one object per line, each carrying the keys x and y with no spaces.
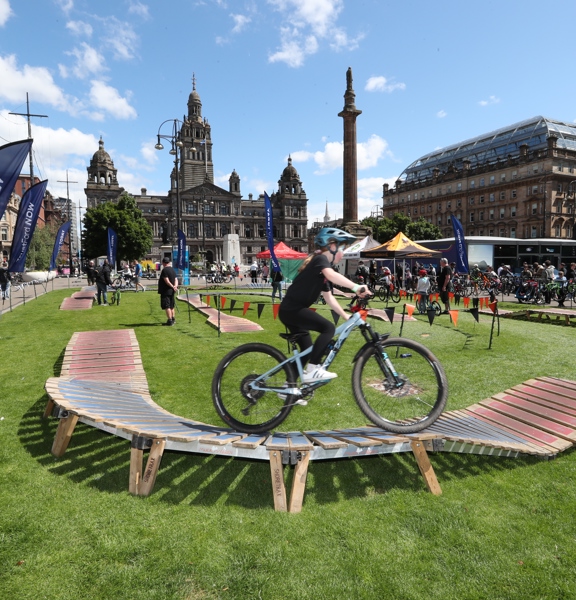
{"x":400,"y":246}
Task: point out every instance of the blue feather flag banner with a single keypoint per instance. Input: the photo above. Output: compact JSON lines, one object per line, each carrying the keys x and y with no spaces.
{"x":112,"y":247}
{"x":181,"y":250}
{"x":12,"y":157}
{"x":461,"y":254}
{"x":60,"y":237}
{"x":270,"y":232}
{"x":25,"y":226}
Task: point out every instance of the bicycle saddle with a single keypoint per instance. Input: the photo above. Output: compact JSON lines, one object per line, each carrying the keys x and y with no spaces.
{"x":293,"y":337}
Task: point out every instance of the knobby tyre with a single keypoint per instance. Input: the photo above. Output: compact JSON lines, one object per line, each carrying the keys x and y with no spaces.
{"x":245,"y":409}
{"x":406,"y":409}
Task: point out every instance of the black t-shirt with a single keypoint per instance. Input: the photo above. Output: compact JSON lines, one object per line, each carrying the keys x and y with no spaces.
{"x":163,"y":288}
{"x":445,"y":276}
{"x":307,"y":286}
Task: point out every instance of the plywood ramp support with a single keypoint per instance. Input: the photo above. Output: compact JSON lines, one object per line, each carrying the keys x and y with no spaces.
{"x":425,"y":467}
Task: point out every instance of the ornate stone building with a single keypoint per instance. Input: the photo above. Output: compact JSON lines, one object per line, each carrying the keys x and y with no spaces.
{"x":207,"y":212}
{"x":517,"y":182}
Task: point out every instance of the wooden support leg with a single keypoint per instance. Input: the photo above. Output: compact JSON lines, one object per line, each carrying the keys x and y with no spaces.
{"x":49,"y":408}
{"x":425,"y":467}
{"x":135,"y":470}
{"x":154,"y":458}
{"x":278,"y":487}
{"x":63,"y":434}
{"x":299,"y":483}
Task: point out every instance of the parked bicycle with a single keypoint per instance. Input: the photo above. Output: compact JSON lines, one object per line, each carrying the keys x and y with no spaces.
{"x":388,"y":291}
{"x":397,"y":383}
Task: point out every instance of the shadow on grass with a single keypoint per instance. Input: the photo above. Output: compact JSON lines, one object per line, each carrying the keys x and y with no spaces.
{"x":102,"y":461}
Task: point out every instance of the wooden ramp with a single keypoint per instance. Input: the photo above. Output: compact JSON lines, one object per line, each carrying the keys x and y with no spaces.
{"x":79,"y":300}
{"x":103,"y":385}
{"x":225,"y":322}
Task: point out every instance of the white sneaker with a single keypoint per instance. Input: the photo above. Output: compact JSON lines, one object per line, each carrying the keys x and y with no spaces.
{"x":317,"y":374}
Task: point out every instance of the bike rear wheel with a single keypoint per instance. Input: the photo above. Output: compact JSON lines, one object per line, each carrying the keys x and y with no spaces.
{"x":406,"y":408}
{"x":395,"y":295}
{"x":240,"y":406}
{"x":437,"y":308}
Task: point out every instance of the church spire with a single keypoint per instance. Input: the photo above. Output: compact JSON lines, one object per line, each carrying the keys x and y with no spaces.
{"x":326,"y":215}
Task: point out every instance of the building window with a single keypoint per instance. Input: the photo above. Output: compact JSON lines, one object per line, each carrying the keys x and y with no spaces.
{"x":534,"y":189}
{"x":512,"y":232}
{"x":191,"y":230}
{"x":4,"y":234}
{"x":502,"y":212}
{"x":501,"y":234}
{"x":481,"y":199}
{"x":224,"y":229}
{"x":491,"y":214}
{"x":513,"y":194}
{"x":416,"y":211}
{"x":502,"y":177}
{"x":439,"y":219}
{"x":191,"y":208}
{"x":514,"y":174}
{"x":210,"y":230}
{"x":492,"y":197}
{"x":533,"y":232}
{"x":224,"y":209}
{"x":490,"y":232}
{"x":481,"y":181}
{"x":439,"y":191}
{"x":502,"y":195}
{"x":481,"y":216}
{"x":534,"y":209}
{"x":459,"y":202}
{"x":248,"y":233}
{"x":448,"y":205}
{"x":472,"y":184}
{"x":492,"y":180}
{"x":448,"y":220}
{"x":512,"y":211}
{"x":449,"y":189}
{"x":458,"y":187}
{"x":429,"y":208}
{"x":439,"y":205}
{"x":471,"y":200}
{"x":471,"y":217}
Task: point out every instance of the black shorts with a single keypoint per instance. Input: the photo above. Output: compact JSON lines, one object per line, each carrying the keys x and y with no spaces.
{"x":444,"y":296}
{"x":167,"y":302}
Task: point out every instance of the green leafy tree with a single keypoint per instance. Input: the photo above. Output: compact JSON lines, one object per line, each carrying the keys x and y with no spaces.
{"x":40,"y":250}
{"x":126,"y":219}
{"x":387,"y":228}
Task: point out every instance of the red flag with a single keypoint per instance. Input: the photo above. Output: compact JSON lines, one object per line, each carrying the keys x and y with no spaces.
{"x":208,"y":298}
{"x":454,"y":317}
{"x":410,"y":309}
{"x":275,"y":309}
{"x":493,"y":305}
{"x":466,"y":302}
{"x":222,"y":302}
{"x":246,"y":307}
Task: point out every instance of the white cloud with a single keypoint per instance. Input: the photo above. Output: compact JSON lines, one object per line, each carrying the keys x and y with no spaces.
{"x":5,"y":12}
{"x":149,"y":152}
{"x":491,"y":100}
{"x":308,"y":22}
{"x":109,"y":100}
{"x":37,"y":81}
{"x":240,"y":22}
{"x":370,"y":195}
{"x":441,"y":114}
{"x":80,"y":28}
{"x":89,"y":62}
{"x":121,"y":38}
{"x":368,"y":154}
{"x":137,"y":8}
{"x":65,"y":5}
{"x":381,"y":84}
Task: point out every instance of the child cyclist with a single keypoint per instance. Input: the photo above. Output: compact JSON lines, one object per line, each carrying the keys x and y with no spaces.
{"x":316,"y":275}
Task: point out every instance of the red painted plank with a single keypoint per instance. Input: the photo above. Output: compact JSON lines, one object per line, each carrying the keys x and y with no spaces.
{"x":543,"y":402}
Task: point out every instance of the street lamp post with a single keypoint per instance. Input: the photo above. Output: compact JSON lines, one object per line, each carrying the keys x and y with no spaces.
{"x":204,"y":203}
{"x":176,"y":144}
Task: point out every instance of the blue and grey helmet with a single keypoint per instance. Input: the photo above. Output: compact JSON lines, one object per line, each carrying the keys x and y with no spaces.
{"x":331,"y":235}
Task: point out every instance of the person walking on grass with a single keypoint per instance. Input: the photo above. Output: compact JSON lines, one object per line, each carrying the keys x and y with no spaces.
{"x":103,"y":280}
{"x":137,"y":276}
{"x":444,"y":284}
{"x":167,"y":288}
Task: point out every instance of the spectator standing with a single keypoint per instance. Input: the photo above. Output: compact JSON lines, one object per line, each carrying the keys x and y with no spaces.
{"x":137,"y":275}
{"x":103,"y":280}
{"x":5,"y":279}
{"x":562,"y":280}
{"x":265,"y":273}
{"x":91,"y":273}
{"x":423,"y":289}
{"x":276,"y":280}
{"x":444,"y":284}
{"x":254,"y":271}
{"x":167,"y":288}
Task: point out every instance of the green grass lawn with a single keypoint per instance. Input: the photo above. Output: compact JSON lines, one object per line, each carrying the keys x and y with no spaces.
{"x":69,"y":529}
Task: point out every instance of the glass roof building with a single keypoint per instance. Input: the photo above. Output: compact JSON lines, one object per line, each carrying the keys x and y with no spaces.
{"x":518,"y":181}
{"x":492,"y":147}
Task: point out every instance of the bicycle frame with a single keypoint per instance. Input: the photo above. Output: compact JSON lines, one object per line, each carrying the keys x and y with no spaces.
{"x":342,"y":333}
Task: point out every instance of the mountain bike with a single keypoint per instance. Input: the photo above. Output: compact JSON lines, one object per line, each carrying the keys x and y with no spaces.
{"x":397,"y":383}
{"x":388,"y":291}
{"x":430,"y":305}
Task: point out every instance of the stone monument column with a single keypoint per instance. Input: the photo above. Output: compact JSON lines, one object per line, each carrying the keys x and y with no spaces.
{"x":349,"y":114}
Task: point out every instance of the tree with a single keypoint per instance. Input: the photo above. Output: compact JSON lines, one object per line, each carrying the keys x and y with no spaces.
{"x":387,"y":228}
{"x":126,"y":219}
{"x":40,"y":250}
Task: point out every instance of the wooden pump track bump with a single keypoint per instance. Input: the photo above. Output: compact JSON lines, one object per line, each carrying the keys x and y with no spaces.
{"x":228,"y":323}
{"x":81,"y":300}
{"x":103,"y":384}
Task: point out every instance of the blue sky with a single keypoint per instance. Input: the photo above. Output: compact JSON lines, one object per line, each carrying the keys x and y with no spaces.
{"x":271,"y":75}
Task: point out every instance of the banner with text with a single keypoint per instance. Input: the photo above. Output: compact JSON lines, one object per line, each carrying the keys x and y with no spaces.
{"x":112,"y":247}
{"x":60,"y":237}
{"x":270,"y":232}
{"x":12,"y":157}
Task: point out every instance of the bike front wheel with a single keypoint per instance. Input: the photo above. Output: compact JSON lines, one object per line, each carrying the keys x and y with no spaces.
{"x":409,"y":402}
{"x":258,"y":408}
